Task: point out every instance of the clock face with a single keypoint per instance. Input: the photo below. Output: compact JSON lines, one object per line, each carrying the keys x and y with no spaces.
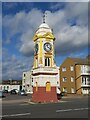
{"x":36,"y":48}
{"x":47,"y":47}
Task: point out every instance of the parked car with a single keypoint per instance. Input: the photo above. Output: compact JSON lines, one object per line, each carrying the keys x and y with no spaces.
{"x":22,"y":93}
{"x":5,"y":91}
{"x":2,"y":94}
{"x":63,"y":94}
{"x":14,"y":91}
{"x":59,"y":96}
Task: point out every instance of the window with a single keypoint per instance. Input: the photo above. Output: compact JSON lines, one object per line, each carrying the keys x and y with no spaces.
{"x":24,"y":80}
{"x":84,"y":80}
{"x":88,"y":80}
{"x":28,"y":85}
{"x":57,"y":82}
{"x":71,"y":68}
{"x":32,"y":79}
{"x":64,"y":79}
{"x":64,"y":69}
{"x":47,"y":61}
{"x":72,"y":90}
{"x":64,"y":89}
{"x":72,"y":79}
{"x":24,"y":75}
{"x":85,"y":68}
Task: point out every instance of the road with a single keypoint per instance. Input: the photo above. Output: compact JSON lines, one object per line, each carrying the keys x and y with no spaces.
{"x":66,"y":108}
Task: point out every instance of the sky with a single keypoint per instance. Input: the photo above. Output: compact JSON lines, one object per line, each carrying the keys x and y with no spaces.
{"x":20,"y":20}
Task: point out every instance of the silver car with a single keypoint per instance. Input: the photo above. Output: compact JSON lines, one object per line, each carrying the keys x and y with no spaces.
{"x":22,"y":93}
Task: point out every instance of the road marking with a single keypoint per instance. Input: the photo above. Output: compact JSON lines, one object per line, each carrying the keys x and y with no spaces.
{"x":23,"y":104}
{"x":13,"y":115}
{"x":67,"y":110}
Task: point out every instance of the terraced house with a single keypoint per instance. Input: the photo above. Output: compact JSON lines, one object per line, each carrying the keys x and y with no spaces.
{"x":75,"y":76}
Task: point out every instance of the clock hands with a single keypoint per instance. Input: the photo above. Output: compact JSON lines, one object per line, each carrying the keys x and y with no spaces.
{"x":48,"y":46}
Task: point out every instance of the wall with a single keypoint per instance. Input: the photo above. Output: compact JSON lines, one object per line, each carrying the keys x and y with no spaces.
{"x":68,"y":73}
{"x":10,"y":87}
{"x":78,"y":79}
{"x":27,"y":82}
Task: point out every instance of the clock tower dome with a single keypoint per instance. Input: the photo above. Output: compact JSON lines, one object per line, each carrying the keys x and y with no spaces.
{"x":45,"y":72}
{"x":44,"y":47}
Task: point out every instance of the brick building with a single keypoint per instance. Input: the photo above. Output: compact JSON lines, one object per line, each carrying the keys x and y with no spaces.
{"x":75,"y":75}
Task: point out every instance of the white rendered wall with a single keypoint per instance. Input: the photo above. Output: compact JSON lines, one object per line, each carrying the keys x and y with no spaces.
{"x":10,"y":87}
{"x":28,"y":81}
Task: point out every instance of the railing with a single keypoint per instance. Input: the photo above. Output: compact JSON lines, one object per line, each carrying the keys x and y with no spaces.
{"x":85,"y":85}
{"x":85,"y":72}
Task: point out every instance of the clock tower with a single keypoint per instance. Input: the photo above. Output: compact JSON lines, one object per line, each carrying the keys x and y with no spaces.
{"x":45,"y":72}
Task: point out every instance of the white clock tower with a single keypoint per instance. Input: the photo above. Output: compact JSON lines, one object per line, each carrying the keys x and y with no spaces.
{"x":45,"y":72}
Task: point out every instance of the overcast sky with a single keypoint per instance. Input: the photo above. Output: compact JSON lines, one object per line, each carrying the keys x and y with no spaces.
{"x":20,"y":20}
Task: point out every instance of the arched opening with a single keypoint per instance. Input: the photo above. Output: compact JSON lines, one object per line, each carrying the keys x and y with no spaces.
{"x":36,"y":86}
{"x":48,"y":87}
{"x":47,"y":61}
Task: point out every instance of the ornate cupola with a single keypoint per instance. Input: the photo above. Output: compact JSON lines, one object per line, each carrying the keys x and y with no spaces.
{"x":44,"y":46}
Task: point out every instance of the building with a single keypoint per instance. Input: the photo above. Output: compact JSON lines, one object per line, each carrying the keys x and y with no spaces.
{"x":45,"y":71}
{"x":75,"y":76}
{"x":10,"y":84}
{"x":27,"y":82}
{"x":43,"y":79}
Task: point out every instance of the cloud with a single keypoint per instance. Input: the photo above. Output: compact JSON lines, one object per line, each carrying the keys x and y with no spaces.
{"x":72,"y":37}
{"x":77,"y":55}
{"x":24,"y":24}
{"x":13,"y":67}
{"x":70,"y":27}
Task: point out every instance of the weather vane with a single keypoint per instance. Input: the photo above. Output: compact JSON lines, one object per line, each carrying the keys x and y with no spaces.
{"x":44,"y":15}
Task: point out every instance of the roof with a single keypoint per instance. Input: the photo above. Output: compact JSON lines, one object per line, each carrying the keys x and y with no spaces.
{"x":81,"y":60}
{"x":11,"y":82}
{"x":43,"y":28}
{"x":44,"y":25}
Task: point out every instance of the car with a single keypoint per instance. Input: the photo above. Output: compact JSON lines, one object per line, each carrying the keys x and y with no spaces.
{"x":59,"y":96}
{"x":2,"y":94}
{"x":63,"y":94}
{"x":13,"y":91}
{"x":22,"y":93}
{"x":5,"y":91}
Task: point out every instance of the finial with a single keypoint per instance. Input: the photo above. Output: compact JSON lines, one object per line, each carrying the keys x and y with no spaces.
{"x":44,"y":15}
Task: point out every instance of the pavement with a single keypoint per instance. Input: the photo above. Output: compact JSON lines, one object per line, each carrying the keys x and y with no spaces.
{"x":13,"y":101}
{"x":76,"y":96}
{"x":10,"y":99}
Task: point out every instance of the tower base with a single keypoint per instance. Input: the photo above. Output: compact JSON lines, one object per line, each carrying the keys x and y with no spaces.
{"x":43,"y":96}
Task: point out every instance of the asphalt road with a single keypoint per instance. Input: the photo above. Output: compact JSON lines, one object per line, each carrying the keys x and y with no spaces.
{"x":66,"y":108}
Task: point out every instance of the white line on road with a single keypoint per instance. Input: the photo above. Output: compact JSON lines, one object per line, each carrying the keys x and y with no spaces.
{"x":23,"y":104}
{"x":23,"y":114}
{"x":67,"y":110}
